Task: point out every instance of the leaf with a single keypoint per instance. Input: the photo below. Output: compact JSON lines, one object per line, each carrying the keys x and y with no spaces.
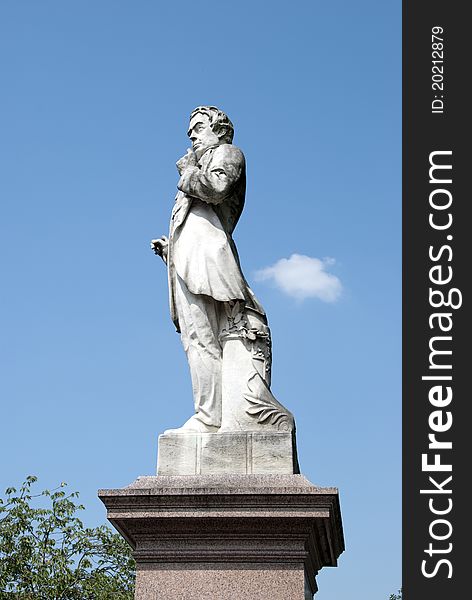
{"x":235,"y":309}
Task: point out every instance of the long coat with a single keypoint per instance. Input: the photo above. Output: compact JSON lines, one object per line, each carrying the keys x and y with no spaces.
{"x":207,"y":208}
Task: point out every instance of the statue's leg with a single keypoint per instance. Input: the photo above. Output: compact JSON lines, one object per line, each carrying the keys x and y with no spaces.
{"x":198,"y":320}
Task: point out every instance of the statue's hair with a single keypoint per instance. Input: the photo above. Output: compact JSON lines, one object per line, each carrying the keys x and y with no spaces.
{"x":219,"y":122}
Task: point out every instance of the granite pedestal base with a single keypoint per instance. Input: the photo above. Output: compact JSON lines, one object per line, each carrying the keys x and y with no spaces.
{"x":225,"y":537}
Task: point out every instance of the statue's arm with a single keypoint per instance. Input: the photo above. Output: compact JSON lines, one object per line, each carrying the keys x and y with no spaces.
{"x":215,"y":182}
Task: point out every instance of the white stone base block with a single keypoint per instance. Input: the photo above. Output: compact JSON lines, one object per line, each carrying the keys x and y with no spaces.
{"x":243,"y":453}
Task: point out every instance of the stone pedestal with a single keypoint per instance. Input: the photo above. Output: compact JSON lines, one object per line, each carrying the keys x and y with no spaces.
{"x":237,"y":452}
{"x":219,"y":537}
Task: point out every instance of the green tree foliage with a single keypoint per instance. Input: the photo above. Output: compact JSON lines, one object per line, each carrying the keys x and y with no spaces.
{"x":396,"y":596}
{"x":47,"y":553}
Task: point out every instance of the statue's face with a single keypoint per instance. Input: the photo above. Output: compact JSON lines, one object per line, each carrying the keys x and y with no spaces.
{"x":201,"y":134}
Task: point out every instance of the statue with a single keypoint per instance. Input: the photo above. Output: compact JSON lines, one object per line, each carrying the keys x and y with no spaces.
{"x":223,"y":326}
{"x":228,"y":492}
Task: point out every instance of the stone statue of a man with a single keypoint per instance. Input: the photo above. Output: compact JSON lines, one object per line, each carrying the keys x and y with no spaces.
{"x":223,"y":327}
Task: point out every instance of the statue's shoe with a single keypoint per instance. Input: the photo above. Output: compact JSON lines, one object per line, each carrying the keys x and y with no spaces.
{"x":193,"y":425}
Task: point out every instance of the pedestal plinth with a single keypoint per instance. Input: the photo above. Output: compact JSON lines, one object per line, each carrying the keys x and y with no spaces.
{"x":224,"y":537}
{"x":238,"y":452}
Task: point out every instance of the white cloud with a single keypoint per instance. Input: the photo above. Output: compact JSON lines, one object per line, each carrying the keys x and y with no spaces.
{"x":303,"y":277}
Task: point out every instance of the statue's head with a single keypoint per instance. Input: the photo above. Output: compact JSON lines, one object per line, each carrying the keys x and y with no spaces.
{"x":208,"y":127}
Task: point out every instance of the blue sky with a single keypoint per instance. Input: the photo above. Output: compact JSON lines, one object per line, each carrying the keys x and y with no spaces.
{"x":93,"y":115}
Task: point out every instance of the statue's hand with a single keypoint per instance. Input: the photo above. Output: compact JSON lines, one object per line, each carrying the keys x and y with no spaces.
{"x":160,"y":247}
{"x":189,"y":160}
